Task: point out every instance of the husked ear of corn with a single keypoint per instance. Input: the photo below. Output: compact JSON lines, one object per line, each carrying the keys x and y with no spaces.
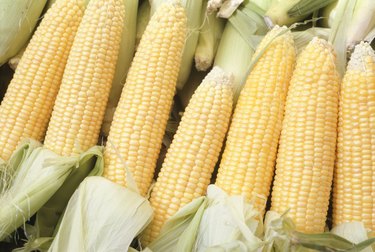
{"x":354,"y":184}
{"x":306,"y":154}
{"x":138,"y":126}
{"x":191,"y":158}
{"x":247,"y":165}
{"x":28,"y":102}
{"x":80,"y":104}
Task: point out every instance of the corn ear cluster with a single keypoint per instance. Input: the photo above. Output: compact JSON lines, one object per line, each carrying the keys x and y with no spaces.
{"x":80,"y":104}
{"x":249,"y":156}
{"x":306,"y":154}
{"x":28,"y":102}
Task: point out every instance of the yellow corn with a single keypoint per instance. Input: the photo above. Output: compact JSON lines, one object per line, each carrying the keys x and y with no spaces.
{"x":194,"y":151}
{"x":248,"y":160}
{"x":354,"y":184}
{"x":141,"y":116}
{"x":81,"y":101}
{"x":306,"y":155}
{"x":27,"y":105}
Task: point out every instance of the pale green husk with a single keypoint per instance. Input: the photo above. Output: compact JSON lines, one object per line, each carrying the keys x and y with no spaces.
{"x":355,"y":18}
{"x":280,"y":235}
{"x":125,"y":57}
{"x":242,"y":34}
{"x":18,"y":19}
{"x":353,"y":232}
{"x":102,"y":216}
{"x":89,"y":163}
{"x":196,"y":226}
{"x":208,"y":42}
{"x":33,"y":176}
{"x":286,"y":12}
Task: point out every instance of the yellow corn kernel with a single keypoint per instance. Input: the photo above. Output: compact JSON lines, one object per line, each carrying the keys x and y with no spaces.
{"x":354,"y":179}
{"x":248,"y":161}
{"x":82,"y":98}
{"x":306,"y":154}
{"x":191,"y":158}
{"x":28,"y":102}
{"x":141,"y":116}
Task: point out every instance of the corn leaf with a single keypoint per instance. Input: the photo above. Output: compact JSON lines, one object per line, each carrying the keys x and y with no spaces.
{"x":89,"y":163}
{"x":179,"y":232}
{"x":93,"y":221}
{"x":34,"y":183}
{"x":236,"y":228}
{"x":18,"y":19}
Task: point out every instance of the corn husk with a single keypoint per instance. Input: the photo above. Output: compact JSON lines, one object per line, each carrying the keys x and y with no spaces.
{"x":125,"y":57}
{"x":179,"y":232}
{"x":89,"y":163}
{"x":237,"y":229}
{"x":287,"y":12}
{"x":18,"y":19}
{"x":280,"y":235}
{"x":208,"y":42}
{"x":196,"y":226}
{"x":36,"y":175}
{"x":102,"y":216}
{"x":242,"y":34}
{"x":352,"y":231}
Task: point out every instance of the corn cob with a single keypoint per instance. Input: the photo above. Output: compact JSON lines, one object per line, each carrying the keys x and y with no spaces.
{"x":194,"y":151}
{"x":81,"y":101}
{"x":248,"y":160}
{"x":305,"y":159}
{"x":27,"y":105}
{"x":141,"y":116}
{"x":354,"y":185}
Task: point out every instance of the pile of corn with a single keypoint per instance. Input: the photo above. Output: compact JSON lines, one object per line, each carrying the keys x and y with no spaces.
{"x":183,"y":94}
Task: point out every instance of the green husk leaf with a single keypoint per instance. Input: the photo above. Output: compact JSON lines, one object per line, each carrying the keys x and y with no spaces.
{"x":280,"y":235}
{"x":18,"y":19}
{"x":228,"y":7}
{"x":235,"y":229}
{"x":340,"y":27}
{"x":8,"y":169}
{"x":208,"y":42}
{"x":89,"y":163}
{"x":35,"y":181}
{"x":306,"y":7}
{"x":95,"y":222}
{"x":287,"y":12}
{"x":179,"y":232}
{"x":354,"y":232}
{"x":125,"y":56}
{"x":241,"y":36}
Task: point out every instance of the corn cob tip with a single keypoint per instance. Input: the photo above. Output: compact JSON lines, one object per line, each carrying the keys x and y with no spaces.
{"x":361,"y":54}
{"x":219,"y":76}
{"x":324,"y":44}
